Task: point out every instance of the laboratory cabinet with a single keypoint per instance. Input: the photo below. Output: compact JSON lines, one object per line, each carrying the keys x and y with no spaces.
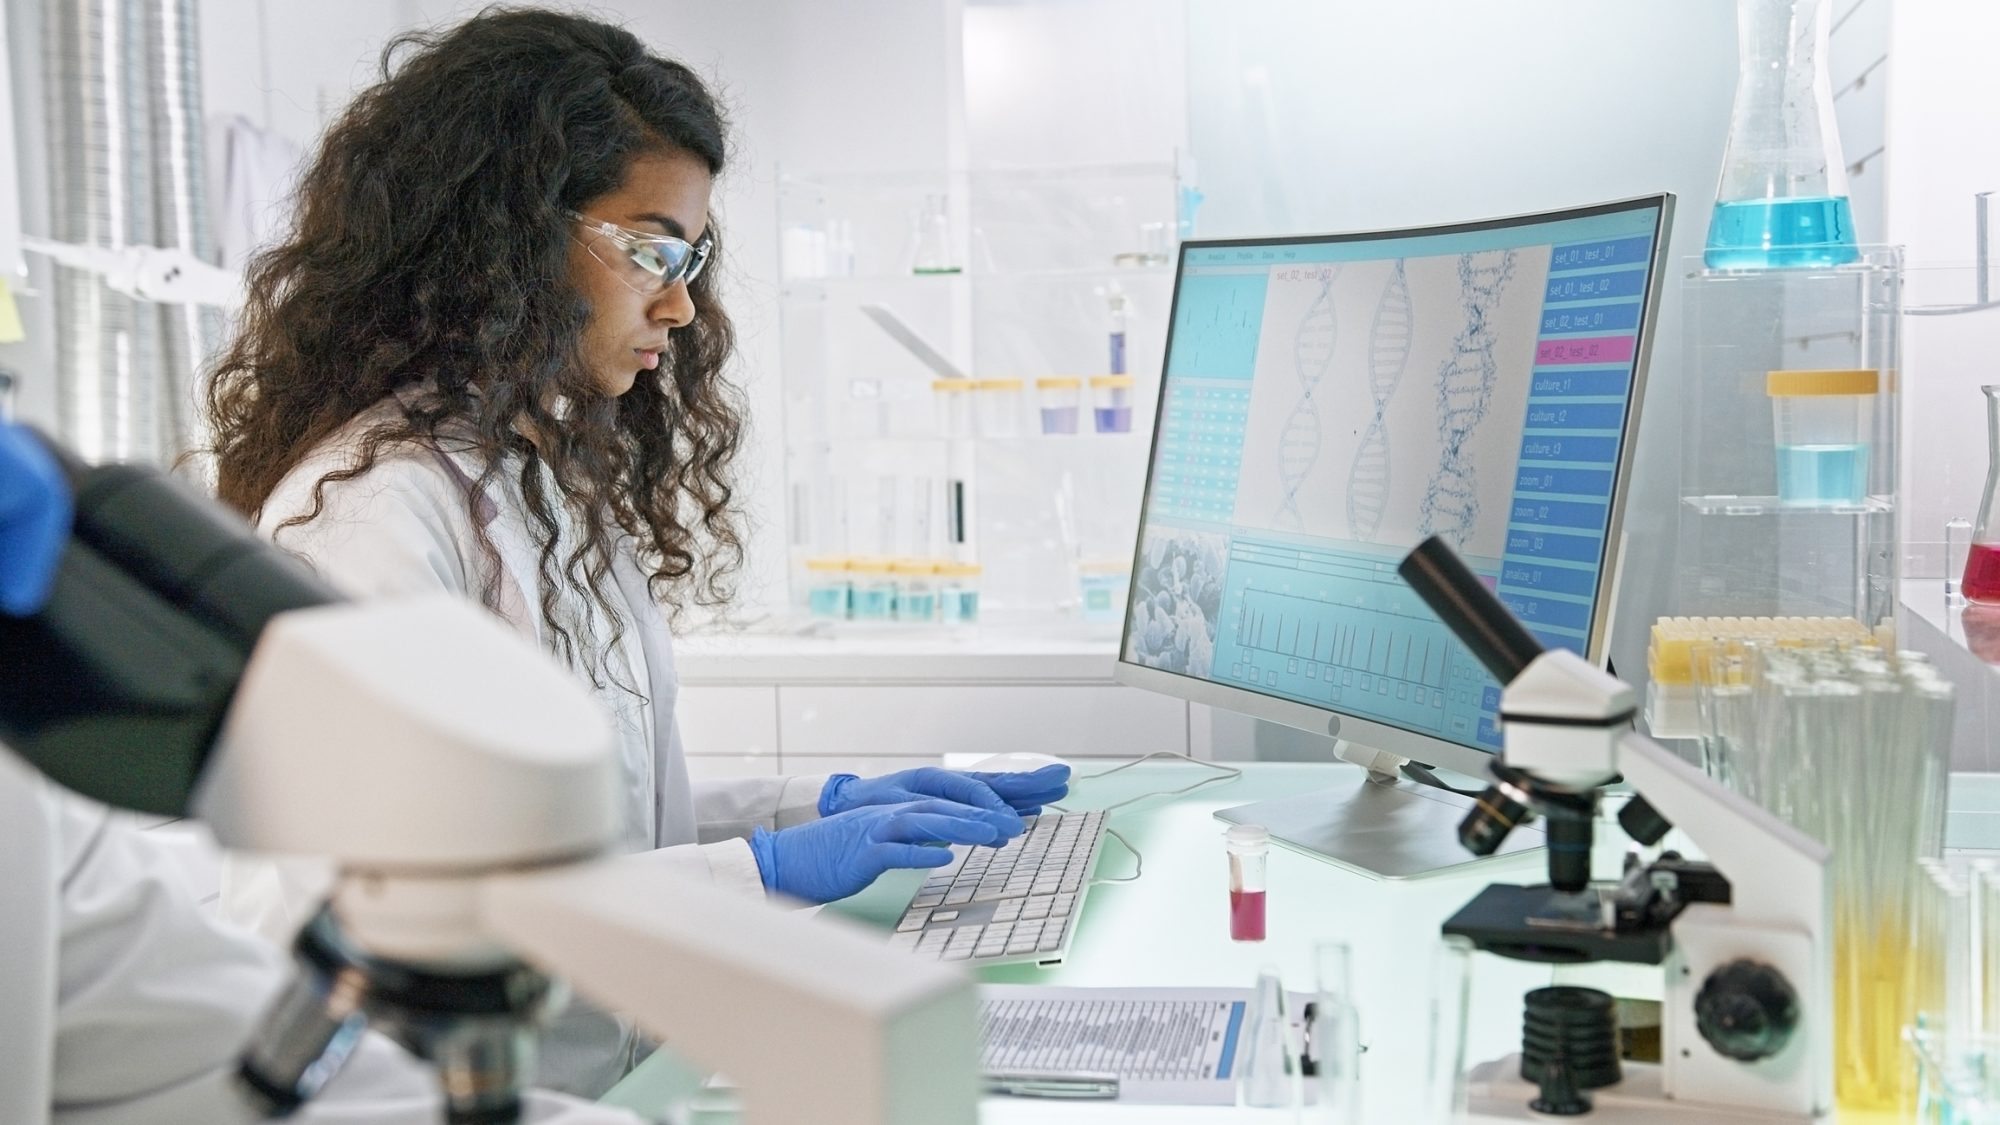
{"x":793,"y":705}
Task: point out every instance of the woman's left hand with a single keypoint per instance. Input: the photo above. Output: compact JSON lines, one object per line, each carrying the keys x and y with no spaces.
{"x":1020,"y":793}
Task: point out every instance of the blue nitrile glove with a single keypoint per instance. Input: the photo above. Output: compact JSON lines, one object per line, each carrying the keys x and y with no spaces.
{"x":34,"y":521}
{"x":835,"y":856}
{"x":1023,"y":793}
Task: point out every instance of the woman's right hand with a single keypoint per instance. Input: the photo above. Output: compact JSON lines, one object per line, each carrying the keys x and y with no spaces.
{"x":838,"y":855}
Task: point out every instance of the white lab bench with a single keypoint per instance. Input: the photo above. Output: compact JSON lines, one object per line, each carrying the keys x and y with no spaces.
{"x":768,"y":703}
{"x":1964,"y":642}
{"x":1171,"y":929}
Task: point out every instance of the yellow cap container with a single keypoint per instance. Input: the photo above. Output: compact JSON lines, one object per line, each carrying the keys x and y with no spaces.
{"x":1823,"y":424}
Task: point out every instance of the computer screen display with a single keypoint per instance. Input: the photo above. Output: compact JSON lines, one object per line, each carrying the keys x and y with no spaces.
{"x":1329,"y":402}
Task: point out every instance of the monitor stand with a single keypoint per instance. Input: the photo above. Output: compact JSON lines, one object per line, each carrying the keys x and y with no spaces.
{"x":1378,"y":825}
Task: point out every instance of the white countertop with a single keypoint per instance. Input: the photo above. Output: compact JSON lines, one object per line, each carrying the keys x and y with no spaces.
{"x":891,"y":655}
{"x":1964,"y":642}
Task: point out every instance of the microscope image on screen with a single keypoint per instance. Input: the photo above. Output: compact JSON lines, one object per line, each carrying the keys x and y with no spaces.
{"x":1177,"y":600}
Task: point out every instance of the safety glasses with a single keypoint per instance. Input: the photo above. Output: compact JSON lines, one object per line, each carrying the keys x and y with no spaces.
{"x":662,"y":259}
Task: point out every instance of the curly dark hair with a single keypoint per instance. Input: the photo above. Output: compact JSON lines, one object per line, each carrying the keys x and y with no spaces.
{"x":430,"y":248}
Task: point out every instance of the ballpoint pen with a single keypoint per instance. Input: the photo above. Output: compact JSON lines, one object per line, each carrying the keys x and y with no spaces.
{"x":1051,"y":1084}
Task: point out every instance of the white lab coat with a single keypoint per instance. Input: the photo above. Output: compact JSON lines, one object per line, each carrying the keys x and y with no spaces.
{"x":405,"y":527}
{"x":124,"y":1002}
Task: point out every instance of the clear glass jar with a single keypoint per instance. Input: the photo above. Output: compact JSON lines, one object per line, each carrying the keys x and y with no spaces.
{"x":1061,"y":401}
{"x":999,"y":407}
{"x":954,"y":406}
{"x":1824,"y":424}
{"x":829,"y":591}
{"x":958,"y":593}
{"x":916,"y":590}
{"x":1102,"y":585}
{"x":874,"y":590}
{"x":1111,"y":403}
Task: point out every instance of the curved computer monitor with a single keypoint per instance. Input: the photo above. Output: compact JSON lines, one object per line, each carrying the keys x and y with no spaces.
{"x":1330,"y":401}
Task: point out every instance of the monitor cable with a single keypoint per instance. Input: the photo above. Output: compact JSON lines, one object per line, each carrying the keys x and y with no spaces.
{"x":1222,"y":774}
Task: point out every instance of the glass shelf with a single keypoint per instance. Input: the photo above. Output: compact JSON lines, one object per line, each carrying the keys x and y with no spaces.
{"x":799,"y":287}
{"x":1772,"y":506}
{"x":1081,"y":438}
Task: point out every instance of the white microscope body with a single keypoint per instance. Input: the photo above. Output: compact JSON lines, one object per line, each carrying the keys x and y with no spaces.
{"x":1566,"y":724}
{"x":465,"y":787}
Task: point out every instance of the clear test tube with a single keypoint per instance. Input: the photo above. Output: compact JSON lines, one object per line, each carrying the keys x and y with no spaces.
{"x":1249,"y":847}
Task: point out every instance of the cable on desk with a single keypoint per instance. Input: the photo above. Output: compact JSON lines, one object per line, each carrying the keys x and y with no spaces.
{"x":1223,"y":773}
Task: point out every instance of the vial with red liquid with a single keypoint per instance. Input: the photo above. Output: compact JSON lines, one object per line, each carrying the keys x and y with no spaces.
{"x":1982,"y":563}
{"x":1249,"y":847}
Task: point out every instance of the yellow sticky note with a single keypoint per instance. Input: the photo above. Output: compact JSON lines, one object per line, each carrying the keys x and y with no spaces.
{"x":10,"y":316}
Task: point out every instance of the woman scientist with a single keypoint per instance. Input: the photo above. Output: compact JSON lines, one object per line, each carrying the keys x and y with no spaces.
{"x":489,"y":359}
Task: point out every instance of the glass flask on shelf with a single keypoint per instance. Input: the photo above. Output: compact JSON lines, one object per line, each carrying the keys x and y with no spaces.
{"x":1982,"y":560}
{"x":1782,"y":200}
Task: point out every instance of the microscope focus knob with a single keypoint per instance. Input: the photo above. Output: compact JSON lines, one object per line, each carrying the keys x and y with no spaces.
{"x":1747,"y":1010}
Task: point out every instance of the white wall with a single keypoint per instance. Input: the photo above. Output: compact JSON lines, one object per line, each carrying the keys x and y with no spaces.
{"x":1384,"y":115}
{"x":1944,"y":128}
{"x":1082,"y":82}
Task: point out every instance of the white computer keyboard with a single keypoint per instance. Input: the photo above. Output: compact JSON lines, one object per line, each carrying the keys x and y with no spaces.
{"x":1017,"y":902}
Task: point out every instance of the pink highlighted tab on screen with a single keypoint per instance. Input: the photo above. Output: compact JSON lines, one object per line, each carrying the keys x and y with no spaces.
{"x":1587,"y":349}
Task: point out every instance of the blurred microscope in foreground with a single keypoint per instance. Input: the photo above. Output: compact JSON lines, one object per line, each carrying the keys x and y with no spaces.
{"x":464,"y":785}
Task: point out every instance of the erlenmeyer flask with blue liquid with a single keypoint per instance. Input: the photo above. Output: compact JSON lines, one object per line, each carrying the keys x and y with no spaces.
{"x":1782,"y":202}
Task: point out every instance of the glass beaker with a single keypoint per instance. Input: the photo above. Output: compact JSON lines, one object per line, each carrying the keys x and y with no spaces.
{"x":1782,"y":200}
{"x":1982,"y":561}
{"x":1823,"y":424}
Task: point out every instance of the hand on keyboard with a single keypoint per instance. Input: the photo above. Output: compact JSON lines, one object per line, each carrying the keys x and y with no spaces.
{"x":1026,"y":793}
{"x":998,"y":792}
{"x":836,"y":856}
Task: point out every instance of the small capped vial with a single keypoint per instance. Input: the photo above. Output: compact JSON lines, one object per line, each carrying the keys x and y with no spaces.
{"x":1249,"y":846}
